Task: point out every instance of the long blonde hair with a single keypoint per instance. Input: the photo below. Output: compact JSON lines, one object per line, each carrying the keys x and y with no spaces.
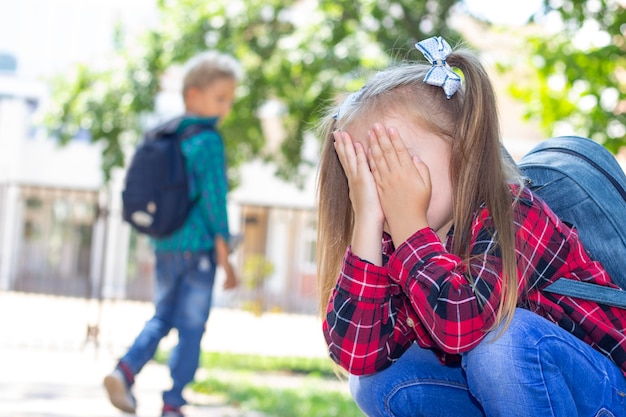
{"x":479,"y":173}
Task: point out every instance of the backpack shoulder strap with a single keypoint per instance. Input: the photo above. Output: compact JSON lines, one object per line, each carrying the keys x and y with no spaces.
{"x":594,"y":292}
{"x":169,"y":129}
{"x":195,"y":128}
{"x":190,"y":130}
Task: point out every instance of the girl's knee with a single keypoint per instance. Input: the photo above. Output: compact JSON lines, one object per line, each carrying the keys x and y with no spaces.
{"x":525,"y":330}
{"x":419,"y":397}
{"x":416,"y":385}
{"x":513,"y":356}
{"x":503,"y":350}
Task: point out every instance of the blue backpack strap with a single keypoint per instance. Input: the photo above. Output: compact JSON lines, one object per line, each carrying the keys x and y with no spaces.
{"x":191,"y":130}
{"x":166,"y":129}
{"x":169,"y":129}
{"x":587,"y":291}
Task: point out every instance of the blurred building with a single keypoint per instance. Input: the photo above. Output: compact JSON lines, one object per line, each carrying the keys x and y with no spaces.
{"x":61,"y":230}
{"x":60,"y":227}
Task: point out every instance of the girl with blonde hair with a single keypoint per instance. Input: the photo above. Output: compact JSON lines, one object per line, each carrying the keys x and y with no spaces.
{"x":433,"y":257}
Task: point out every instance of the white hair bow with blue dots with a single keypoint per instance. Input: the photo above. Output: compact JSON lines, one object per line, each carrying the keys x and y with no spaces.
{"x":436,"y":50}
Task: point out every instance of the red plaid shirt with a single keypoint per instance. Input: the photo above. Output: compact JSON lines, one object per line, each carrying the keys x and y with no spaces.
{"x":422,"y":293}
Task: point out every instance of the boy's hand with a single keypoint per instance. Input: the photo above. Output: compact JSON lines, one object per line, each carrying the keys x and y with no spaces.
{"x":402,"y":181}
{"x":231,"y":281}
{"x":222,"y":250}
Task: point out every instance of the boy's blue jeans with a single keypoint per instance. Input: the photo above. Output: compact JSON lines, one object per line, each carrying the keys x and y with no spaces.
{"x":183,"y":294}
{"x":533,"y":369}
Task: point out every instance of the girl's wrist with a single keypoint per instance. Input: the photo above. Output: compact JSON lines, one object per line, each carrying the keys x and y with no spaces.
{"x":367,"y":239}
{"x":369,"y":220}
{"x":401,"y":234}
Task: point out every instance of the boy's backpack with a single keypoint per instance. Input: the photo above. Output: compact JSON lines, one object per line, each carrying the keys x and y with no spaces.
{"x":156,"y":197}
{"x":585,"y":186}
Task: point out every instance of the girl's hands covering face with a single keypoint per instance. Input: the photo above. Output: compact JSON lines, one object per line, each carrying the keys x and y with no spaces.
{"x":402,"y":181}
{"x":363,"y":193}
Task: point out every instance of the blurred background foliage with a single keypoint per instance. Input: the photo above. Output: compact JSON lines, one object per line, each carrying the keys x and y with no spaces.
{"x":304,"y":59}
{"x":578,"y":74}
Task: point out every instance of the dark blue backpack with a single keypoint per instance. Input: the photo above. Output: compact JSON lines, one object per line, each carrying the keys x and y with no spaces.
{"x":584,"y":185}
{"x":156,"y":198}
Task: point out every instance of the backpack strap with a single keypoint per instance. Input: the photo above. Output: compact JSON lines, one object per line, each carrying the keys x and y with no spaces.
{"x":166,"y":129}
{"x":585,"y":290}
{"x":194,"y":129}
{"x":170,"y":128}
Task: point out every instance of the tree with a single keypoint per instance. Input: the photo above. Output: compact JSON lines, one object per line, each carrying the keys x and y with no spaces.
{"x":299,"y":58}
{"x":302,"y":52}
{"x":578,"y":79}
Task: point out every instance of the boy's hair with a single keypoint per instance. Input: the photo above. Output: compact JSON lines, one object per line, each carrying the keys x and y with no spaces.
{"x":204,"y":68}
{"x":478,"y":171}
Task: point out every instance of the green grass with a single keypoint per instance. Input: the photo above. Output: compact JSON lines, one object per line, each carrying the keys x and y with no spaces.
{"x":310,"y":400}
{"x":322,"y":367}
{"x":244,"y":381}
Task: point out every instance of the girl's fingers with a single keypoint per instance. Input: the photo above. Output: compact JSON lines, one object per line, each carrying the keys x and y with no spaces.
{"x":345,"y":152}
{"x":351,"y":156}
{"x":384,"y":141}
{"x":422,"y":169}
{"x":387,"y":151}
{"x":401,"y":153}
{"x":376,"y":158}
{"x":361,"y":158}
{"x":381,"y":149}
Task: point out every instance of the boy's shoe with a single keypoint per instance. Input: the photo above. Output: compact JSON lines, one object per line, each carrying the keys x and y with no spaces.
{"x":119,"y":392}
{"x":171,"y":411}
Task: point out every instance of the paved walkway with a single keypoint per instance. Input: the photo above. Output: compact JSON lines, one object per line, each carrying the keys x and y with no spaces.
{"x":48,"y":383}
{"x":49,"y":368}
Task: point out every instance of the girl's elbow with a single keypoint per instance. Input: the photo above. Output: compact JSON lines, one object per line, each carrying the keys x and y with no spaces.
{"x":367,"y":365}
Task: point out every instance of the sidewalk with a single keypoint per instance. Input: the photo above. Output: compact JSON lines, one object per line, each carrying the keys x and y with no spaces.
{"x":49,"y":368}
{"x":49,"y":383}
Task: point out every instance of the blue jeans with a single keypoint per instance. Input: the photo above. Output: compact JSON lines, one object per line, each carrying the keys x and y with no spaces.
{"x":183,"y":294}
{"x":533,"y":369}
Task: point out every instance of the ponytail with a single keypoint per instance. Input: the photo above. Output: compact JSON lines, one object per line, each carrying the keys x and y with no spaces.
{"x":480,"y":175}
